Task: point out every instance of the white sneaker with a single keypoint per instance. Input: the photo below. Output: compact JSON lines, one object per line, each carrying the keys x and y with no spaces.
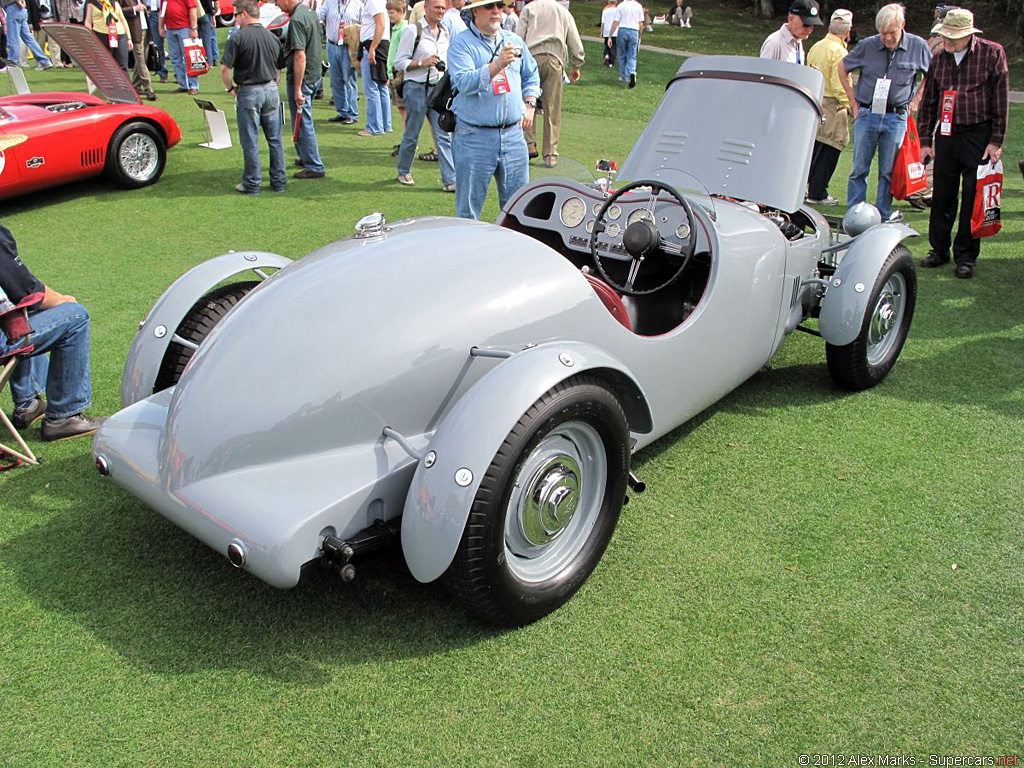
{"x":406,"y":180}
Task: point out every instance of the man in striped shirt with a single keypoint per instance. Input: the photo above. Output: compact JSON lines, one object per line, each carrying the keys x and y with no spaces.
{"x":966,"y":95}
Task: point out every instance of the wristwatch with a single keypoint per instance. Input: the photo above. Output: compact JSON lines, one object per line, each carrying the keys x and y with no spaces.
{"x":531,"y":102}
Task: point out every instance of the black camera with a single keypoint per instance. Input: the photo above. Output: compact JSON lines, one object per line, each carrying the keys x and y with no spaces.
{"x":440,"y":66}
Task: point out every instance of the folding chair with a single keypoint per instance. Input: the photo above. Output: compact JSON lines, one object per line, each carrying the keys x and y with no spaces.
{"x":14,"y":323}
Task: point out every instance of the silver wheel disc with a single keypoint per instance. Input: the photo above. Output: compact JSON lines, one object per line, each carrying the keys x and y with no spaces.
{"x":139,"y":156}
{"x":555,"y":501}
{"x":886,"y":319}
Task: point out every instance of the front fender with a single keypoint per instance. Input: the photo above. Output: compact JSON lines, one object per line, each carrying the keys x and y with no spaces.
{"x":467,"y":439}
{"x":845,"y":302}
{"x":157,"y":330}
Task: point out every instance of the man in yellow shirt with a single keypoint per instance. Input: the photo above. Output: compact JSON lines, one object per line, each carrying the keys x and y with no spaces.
{"x":834,"y":132}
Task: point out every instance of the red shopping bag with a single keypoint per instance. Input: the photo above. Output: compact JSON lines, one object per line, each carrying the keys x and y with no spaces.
{"x":195,"y":58}
{"x":908,"y":174}
{"x":985,"y":220}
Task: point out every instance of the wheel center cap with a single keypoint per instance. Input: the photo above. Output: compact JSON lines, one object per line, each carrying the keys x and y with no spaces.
{"x":552,"y":500}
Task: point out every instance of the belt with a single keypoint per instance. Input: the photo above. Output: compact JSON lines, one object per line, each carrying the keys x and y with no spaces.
{"x":246,"y":85}
{"x":968,"y":127}
{"x":902,"y":109}
{"x":493,"y":127}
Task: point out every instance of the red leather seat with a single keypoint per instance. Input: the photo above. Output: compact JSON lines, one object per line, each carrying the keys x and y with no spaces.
{"x":610,"y":298}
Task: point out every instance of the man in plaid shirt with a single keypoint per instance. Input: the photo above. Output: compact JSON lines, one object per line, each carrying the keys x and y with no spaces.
{"x":966,"y":94}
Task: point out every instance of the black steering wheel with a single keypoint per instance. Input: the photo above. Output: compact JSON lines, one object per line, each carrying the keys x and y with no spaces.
{"x":642,"y":239}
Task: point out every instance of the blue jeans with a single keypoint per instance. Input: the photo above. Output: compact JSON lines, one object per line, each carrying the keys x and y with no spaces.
{"x":344,"y":81}
{"x":17,"y":30}
{"x":154,"y":31}
{"x":627,"y":44}
{"x":378,"y":102}
{"x":259,"y":106}
{"x":63,"y":332}
{"x":175,"y":44}
{"x":870,"y":132}
{"x":483,"y":153}
{"x":208,"y":34}
{"x":417,"y":96}
{"x":306,"y":146}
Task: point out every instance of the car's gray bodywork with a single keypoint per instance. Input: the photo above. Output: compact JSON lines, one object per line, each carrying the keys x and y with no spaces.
{"x":275,"y":435}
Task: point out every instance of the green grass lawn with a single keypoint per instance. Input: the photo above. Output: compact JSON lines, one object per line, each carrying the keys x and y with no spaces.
{"x":785,"y":586}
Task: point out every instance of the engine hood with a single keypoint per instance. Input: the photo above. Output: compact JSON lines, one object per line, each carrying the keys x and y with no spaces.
{"x":99,"y":66}
{"x":364,"y":334}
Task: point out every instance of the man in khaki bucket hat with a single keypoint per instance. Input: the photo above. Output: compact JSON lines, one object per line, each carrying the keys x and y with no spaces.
{"x":963,"y":125}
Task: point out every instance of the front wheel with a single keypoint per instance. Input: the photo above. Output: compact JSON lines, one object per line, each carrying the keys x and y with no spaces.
{"x":867,"y":359}
{"x":136,"y":155}
{"x":546,"y":507}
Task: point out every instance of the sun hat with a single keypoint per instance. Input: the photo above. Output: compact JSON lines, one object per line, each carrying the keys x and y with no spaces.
{"x":482,"y":3}
{"x":958,"y":22}
{"x":843,"y":15}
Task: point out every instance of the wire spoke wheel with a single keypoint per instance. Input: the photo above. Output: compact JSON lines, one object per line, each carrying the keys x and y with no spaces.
{"x":139,"y":156}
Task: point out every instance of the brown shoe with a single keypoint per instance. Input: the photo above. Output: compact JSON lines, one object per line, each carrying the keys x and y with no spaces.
{"x":23,"y":418}
{"x":78,"y":425}
{"x":305,"y":173}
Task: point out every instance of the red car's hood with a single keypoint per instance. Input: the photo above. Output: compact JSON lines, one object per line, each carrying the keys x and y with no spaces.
{"x":32,"y":106}
{"x":99,"y":66}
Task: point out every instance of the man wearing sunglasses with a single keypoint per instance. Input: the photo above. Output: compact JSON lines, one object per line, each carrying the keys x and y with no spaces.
{"x":496,"y":86}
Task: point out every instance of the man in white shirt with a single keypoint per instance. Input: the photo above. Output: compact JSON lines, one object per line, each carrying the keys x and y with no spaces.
{"x":452,"y":20}
{"x":786,"y":43}
{"x":423,"y":47}
{"x":336,"y":15}
{"x":374,"y":41}
{"x":627,"y":29}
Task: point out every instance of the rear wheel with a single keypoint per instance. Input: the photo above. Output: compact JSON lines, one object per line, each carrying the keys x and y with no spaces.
{"x":867,"y":359}
{"x":195,"y":327}
{"x":136,"y":155}
{"x":546,"y":508}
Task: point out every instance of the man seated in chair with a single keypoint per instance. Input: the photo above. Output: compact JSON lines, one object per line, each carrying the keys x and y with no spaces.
{"x":59,"y":364}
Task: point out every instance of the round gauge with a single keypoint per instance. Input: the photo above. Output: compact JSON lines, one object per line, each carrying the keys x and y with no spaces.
{"x":572,"y":212}
{"x":614,"y":212}
{"x":590,"y":226}
{"x":613,"y":230}
{"x":640,"y":214}
{"x":597,"y":208}
{"x":682,"y":231}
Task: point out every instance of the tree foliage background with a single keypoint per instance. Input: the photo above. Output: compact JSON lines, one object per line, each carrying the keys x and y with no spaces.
{"x":1001,"y":20}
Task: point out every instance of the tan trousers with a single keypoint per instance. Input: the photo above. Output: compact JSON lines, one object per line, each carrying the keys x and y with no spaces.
{"x":551,"y":71}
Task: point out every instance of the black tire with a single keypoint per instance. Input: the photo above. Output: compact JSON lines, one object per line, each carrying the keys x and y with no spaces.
{"x":226,"y":20}
{"x":489,"y":574}
{"x":196,"y":326}
{"x":136,"y":155}
{"x":867,"y":359}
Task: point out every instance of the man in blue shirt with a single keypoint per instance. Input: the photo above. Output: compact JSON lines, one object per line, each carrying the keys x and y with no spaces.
{"x":889,"y":65}
{"x":496,"y":86}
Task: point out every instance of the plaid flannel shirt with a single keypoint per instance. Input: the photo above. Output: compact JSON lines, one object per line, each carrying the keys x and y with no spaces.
{"x":982,"y":85}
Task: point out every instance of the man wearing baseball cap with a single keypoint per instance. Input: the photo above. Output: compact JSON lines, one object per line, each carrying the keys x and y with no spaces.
{"x":889,"y":63}
{"x":786,"y":43}
{"x":834,"y":131}
{"x":966,"y":93}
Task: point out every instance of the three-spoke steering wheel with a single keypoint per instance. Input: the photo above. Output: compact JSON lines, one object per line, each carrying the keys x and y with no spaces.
{"x":642,"y":239}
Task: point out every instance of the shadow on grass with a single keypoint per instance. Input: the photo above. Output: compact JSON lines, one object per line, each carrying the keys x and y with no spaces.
{"x":170,"y":605}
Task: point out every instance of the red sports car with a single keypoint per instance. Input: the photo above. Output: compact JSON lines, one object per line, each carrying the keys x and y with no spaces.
{"x":48,"y":139}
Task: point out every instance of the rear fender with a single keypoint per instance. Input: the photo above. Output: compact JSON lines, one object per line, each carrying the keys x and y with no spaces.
{"x":845,"y":302}
{"x":467,"y":439}
{"x":157,"y":331}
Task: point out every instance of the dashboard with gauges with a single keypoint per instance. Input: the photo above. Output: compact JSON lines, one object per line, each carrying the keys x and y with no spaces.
{"x":572,"y":210}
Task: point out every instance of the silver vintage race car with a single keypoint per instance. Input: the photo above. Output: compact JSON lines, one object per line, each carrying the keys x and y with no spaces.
{"x":480,"y":388}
